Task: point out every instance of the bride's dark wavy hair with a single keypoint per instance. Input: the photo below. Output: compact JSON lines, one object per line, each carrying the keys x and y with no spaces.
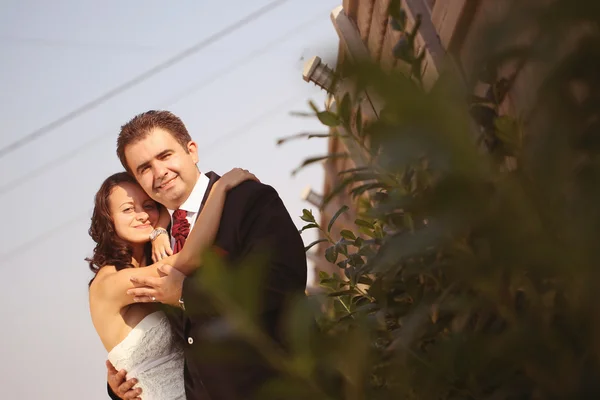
{"x":110,"y":248}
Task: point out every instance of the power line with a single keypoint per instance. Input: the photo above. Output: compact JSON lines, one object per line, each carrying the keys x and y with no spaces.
{"x":63,"y":43}
{"x":142,"y":77}
{"x":249,"y":58}
{"x":256,"y":121}
{"x":17,"y":182}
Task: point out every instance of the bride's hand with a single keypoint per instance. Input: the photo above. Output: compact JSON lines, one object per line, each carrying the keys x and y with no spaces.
{"x":234,"y":177}
{"x":161,"y":247}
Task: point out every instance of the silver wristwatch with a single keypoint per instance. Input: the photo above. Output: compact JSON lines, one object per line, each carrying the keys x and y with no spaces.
{"x":155,"y":233}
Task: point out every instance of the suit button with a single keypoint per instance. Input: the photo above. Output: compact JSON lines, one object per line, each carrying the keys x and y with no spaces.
{"x":190,"y":340}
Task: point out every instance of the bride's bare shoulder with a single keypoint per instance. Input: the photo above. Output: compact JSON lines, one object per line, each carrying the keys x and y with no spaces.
{"x":101,"y":277}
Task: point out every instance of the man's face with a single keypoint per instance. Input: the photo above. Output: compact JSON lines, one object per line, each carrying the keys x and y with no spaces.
{"x":164,"y":169}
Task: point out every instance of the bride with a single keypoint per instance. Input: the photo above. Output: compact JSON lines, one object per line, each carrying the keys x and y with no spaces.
{"x":138,"y":337}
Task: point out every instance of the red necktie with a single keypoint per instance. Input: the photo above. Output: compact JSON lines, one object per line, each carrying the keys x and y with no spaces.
{"x":180,"y":229}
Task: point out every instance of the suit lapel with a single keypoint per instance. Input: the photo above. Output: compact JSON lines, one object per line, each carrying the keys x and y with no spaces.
{"x":212,"y":178}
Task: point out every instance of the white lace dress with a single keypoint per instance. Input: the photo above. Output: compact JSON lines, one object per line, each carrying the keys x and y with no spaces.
{"x":151,"y":354}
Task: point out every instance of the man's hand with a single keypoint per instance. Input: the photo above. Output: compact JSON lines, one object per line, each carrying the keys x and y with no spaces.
{"x":166,"y":289}
{"x":120,"y":387}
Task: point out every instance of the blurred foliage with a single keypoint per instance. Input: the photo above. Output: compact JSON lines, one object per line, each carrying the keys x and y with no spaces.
{"x":472,"y":271}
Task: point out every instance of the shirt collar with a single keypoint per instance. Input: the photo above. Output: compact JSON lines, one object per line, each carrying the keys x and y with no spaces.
{"x":194,"y":201}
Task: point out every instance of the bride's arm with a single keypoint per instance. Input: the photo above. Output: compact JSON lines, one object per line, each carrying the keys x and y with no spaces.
{"x":206,"y":227}
{"x":112,"y":285}
{"x":161,"y":245}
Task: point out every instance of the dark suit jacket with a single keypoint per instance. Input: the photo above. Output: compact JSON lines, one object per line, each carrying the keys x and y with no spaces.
{"x":254,"y":219}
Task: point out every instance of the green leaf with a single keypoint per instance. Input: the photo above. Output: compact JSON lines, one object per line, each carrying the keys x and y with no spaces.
{"x":323,"y":275}
{"x":302,"y":114}
{"x":342,"y":293}
{"x":359,"y":122}
{"x":358,"y":242}
{"x":309,"y":226}
{"x":507,"y":130}
{"x":408,"y":221}
{"x":379,"y":231}
{"x":358,"y":298}
{"x":345,"y":109}
{"x":395,"y":11}
{"x":366,"y":231}
{"x":350,"y":273}
{"x":313,"y":160}
{"x":339,"y":212}
{"x":365,"y":280}
{"x":366,"y":307}
{"x":308,"y":216}
{"x":346,"y":234}
{"x":307,"y":135}
{"x":396,"y":25}
{"x":403,"y":49}
{"x":353,"y":170}
{"x":313,"y":106}
{"x":315,"y":243}
{"x":366,"y":251}
{"x":339,"y":188}
{"x":356,"y":260}
{"x":359,"y":190}
{"x":342,"y":247}
{"x":416,"y":26}
{"x":328,"y":118}
{"x":473,"y":99}
{"x":362,"y":222}
{"x":331,"y":254}
{"x":416,"y":66}
{"x":333,"y":284}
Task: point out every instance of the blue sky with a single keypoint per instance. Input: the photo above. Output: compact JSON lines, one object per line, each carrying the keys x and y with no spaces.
{"x":235,"y":97}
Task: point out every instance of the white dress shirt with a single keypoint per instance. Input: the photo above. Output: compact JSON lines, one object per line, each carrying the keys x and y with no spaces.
{"x":192,"y":204}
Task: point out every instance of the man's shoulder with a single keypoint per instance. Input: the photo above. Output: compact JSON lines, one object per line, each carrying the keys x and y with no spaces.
{"x":250,"y":189}
{"x":246,"y":196}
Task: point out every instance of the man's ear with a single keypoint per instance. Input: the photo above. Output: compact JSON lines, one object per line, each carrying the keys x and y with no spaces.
{"x":192,"y":148}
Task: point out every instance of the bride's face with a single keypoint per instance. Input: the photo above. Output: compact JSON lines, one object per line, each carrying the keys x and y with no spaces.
{"x":133,"y":212}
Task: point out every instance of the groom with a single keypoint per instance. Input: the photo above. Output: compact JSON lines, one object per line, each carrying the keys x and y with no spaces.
{"x":157,"y":149}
